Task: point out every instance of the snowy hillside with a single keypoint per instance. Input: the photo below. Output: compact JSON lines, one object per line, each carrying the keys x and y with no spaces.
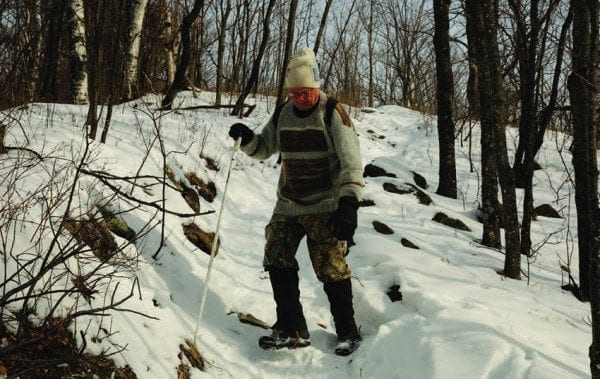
{"x":457,"y":318}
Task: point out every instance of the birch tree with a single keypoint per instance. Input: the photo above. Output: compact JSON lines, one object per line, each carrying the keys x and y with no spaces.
{"x":168,"y":41}
{"x":131,"y":70}
{"x":79,"y":78}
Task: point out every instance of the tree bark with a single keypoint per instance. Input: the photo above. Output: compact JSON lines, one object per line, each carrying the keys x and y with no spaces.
{"x":2,"y":136}
{"x":583,"y":94}
{"x":489,"y":175}
{"x":253,"y":79}
{"x":79,"y":76}
{"x":35,"y":31}
{"x":168,"y":41}
{"x":493,"y":119}
{"x":288,"y":50}
{"x":221,"y":51}
{"x":445,"y":90}
{"x":322,"y":25}
{"x":135,"y":34}
{"x":184,"y":60}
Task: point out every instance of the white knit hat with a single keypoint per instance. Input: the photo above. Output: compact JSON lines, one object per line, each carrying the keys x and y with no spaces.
{"x":303,"y":70}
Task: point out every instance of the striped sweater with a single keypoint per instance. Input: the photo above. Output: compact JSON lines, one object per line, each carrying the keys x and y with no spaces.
{"x":320,"y":164}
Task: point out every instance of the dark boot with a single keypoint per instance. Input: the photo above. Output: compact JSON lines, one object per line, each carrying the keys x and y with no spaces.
{"x":340,"y":300}
{"x":290,"y":330}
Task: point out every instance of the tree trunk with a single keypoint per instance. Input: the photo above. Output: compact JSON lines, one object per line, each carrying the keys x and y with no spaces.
{"x":253,"y":79}
{"x":221,"y":51}
{"x":580,"y":85}
{"x":35,"y":31}
{"x":445,"y":90}
{"x":79,"y":77}
{"x":337,"y":46}
{"x":489,"y":175}
{"x":288,"y":50}
{"x":184,"y":60}
{"x":96,"y":23}
{"x":583,"y":95}
{"x":322,"y":26}
{"x":2,"y":136}
{"x":512,"y":261}
{"x":168,"y":41}
{"x":135,"y":34}
{"x":370,"y":49}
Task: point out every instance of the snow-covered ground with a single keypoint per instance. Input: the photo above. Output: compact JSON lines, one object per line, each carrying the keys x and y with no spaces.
{"x":458,"y":318}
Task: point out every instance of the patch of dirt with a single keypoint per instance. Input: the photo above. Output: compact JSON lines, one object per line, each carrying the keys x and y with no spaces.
{"x":50,"y":351}
{"x":208,"y":191}
{"x":93,"y":234}
{"x":200,"y":238}
{"x":116,"y":224}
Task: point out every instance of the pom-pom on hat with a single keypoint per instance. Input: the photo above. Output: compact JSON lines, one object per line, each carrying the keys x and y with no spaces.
{"x":303,"y":70}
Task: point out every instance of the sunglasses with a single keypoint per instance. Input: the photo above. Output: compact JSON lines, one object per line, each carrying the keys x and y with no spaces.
{"x":300,"y":94}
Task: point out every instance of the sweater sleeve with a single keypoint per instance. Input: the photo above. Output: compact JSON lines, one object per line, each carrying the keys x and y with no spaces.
{"x":347,"y":148}
{"x":263,"y":144}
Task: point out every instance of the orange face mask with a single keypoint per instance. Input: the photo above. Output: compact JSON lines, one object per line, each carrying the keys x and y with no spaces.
{"x":304,"y":98}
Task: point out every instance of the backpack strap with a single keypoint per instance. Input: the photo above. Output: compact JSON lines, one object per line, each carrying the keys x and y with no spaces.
{"x":329,"y":107}
{"x":277,"y":112}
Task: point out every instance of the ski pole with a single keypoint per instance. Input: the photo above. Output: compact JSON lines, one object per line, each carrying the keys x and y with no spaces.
{"x":234,"y":148}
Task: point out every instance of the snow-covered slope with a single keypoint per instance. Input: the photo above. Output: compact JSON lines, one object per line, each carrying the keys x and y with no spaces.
{"x":458,"y":318}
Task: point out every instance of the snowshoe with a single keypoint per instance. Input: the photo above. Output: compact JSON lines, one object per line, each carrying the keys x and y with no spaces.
{"x":347,"y":346}
{"x":280,"y":339}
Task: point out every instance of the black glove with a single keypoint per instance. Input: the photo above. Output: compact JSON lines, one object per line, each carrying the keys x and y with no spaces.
{"x":240,"y":130}
{"x":342,"y":222}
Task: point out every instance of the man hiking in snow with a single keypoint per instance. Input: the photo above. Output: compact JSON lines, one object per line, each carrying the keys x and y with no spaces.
{"x":317,"y":197}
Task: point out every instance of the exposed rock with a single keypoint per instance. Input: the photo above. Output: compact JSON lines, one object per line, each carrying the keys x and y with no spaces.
{"x":394,"y":293}
{"x":366,"y":203}
{"x":407,"y":243}
{"x":546,"y":210}
{"x":382,"y":228}
{"x":451,"y":222}
{"x":419,"y":180}
{"x":374,"y":171}
{"x":421,"y":196}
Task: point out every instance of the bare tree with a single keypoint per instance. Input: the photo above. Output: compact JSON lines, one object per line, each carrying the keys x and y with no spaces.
{"x":322,"y":25}
{"x":221,"y":48}
{"x":581,"y":84}
{"x":529,"y":48}
{"x":289,"y":40}
{"x":485,"y":18}
{"x":253,"y":79}
{"x":489,"y":174}
{"x":583,"y":93}
{"x":184,"y":60}
{"x":445,"y":89}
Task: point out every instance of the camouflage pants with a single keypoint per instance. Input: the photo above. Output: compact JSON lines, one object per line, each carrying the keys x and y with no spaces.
{"x":327,"y":254}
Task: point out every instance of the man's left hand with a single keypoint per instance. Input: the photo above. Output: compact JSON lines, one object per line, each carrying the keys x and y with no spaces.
{"x":342,"y":222}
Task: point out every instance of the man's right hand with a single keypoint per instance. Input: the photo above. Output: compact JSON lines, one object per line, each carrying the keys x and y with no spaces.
{"x":240,"y":130}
